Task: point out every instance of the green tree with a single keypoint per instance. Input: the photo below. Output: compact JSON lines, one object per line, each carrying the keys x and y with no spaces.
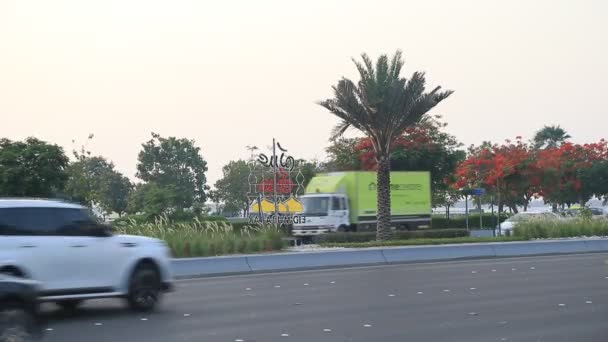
{"x":114,"y":192}
{"x":382,"y":105}
{"x":31,"y":168}
{"x":176,"y":167}
{"x":232,"y":188}
{"x":343,"y":155}
{"x":550,"y":137}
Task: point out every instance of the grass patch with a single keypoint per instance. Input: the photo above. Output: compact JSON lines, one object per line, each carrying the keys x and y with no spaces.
{"x":207,"y":238}
{"x":422,"y":242}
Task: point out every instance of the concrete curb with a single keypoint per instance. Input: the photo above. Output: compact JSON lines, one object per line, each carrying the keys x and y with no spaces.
{"x":278,"y":262}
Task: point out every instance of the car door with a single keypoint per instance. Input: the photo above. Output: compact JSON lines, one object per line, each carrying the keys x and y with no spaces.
{"x":30,"y":243}
{"x":96,"y":255}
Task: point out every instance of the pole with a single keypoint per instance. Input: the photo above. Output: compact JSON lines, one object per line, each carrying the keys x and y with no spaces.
{"x":498,"y":202}
{"x":466,"y":209}
{"x":493,"y":222}
{"x":480,"y":216}
{"x":274,"y":181}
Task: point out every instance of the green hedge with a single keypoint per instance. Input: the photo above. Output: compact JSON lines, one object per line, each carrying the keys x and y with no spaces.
{"x":459,"y":221}
{"x":178,"y":218}
{"x":421,"y":242}
{"x":397,"y":235}
{"x":546,"y":229}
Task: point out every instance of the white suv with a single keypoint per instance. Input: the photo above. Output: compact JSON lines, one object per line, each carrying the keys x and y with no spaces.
{"x":75,"y":258}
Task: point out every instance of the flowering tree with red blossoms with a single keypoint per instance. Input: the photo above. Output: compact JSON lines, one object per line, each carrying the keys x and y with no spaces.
{"x":562,"y":175}
{"x":507,"y":170}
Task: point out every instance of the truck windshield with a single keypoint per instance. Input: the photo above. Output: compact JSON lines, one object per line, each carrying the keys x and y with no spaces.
{"x":315,"y":206}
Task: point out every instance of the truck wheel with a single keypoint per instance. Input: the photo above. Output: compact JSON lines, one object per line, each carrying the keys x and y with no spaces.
{"x":342,"y":229}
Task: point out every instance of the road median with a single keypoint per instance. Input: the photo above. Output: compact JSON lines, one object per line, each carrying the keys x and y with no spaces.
{"x":353,"y":257}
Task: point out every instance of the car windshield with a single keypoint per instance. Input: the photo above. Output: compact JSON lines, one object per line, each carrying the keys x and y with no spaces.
{"x":315,"y":206}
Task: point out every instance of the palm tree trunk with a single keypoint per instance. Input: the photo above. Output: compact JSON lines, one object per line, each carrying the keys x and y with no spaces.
{"x":383,"y":231}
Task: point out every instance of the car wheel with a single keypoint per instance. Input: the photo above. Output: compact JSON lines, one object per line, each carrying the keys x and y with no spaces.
{"x":69,"y":305}
{"x":144,"y":288}
{"x":16,"y":324}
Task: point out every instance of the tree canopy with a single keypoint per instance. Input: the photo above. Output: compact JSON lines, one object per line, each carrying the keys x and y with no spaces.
{"x":31,"y":168}
{"x":176,"y":167}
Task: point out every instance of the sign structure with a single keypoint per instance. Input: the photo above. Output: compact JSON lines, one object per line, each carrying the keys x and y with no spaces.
{"x":478,"y":192}
{"x":275,"y":182}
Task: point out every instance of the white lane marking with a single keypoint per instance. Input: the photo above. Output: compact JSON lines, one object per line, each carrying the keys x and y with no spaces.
{"x":588,"y":302}
{"x":391,"y":295}
{"x":144,"y":319}
{"x":297,"y":304}
{"x":493,"y":270}
{"x":420,"y":293}
{"x":561,"y":305}
{"x":284,"y":335}
{"x":98,"y":324}
{"x":473,"y":288}
{"x":474,"y":272}
{"x":332,"y":282}
{"x":186,"y":315}
{"x":532,"y":268}
{"x":239,"y":340}
{"x":327,"y":330}
{"x":305,"y":284}
{"x":49,"y":329}
{"x":514,"y":269}
{"x":277,"y":286}
{"x":473,"y":314}
{"x":248,"y":289}
{"x":367,"y":325}
{"x":446,"y":290}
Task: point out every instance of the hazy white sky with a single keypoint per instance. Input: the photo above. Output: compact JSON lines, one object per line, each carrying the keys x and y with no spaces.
{"x":235,"y":73}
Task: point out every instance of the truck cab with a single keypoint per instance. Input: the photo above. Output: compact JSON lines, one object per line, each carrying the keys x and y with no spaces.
{"x":323,"y":213}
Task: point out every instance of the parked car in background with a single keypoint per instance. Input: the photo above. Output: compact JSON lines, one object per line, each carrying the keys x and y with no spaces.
{"x":19,"y":315}
{"x":506,"y":228}
{"x":75,"y":258}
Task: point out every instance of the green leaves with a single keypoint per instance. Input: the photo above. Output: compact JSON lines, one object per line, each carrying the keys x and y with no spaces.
{"x":177,"y":163}
{"x":31,"y":168}
{"x":382,"y":104}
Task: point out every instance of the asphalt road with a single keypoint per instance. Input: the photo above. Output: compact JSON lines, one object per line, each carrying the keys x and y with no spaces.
{"x":560,"y":298}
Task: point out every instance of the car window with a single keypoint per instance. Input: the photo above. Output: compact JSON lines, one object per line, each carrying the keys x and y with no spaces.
{"x":29,"y":221}
{"x":76,"y":222}
{"x":335,"y":203}
{"x":343,"y":203}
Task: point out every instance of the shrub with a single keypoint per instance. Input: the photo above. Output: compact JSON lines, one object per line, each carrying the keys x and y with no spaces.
{"x":459,"y":221}
{"x":579,"y":227}
{"x":398,"y":235}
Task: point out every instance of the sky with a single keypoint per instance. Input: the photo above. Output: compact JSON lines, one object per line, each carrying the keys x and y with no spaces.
{"x":237,"y":72}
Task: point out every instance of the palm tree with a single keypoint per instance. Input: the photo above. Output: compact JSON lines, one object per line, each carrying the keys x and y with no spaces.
{"x":550,"y":137}
{"x":382,"y":105}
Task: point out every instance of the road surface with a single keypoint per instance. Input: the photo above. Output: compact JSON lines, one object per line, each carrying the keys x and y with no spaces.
{"x":558,"y":298}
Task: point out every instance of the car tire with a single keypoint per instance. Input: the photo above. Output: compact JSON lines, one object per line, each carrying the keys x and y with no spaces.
{"x":144,"y":288}
{"x":69,"y":305}
{"x":16,"y":324}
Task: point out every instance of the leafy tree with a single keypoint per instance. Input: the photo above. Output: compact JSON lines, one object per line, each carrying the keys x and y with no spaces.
{"x":176,"y":167}
{"x":343,"y":155}
{"x":85,"y":177}
{"x":114,"y":192}
{"x":550,"y":137}
{"x":31,"y":168}
{"x":232,"y":188}
{"x":382,"y":105}
{"x":422,"y":148}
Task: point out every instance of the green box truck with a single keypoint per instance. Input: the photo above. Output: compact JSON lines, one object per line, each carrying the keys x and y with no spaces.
{"x":347,"y":201}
